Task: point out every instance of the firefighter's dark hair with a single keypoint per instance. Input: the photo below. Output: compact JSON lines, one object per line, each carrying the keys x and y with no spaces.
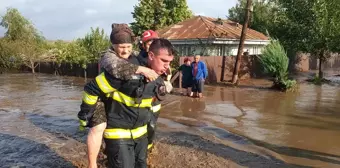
{"x":161,"y":43}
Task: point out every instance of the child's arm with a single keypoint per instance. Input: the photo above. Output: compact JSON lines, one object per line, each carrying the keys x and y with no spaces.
{"x":122,"y":69}
{"x":116,"y":66}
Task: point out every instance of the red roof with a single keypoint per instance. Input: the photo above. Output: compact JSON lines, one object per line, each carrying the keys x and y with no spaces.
{"x":204,"y":27}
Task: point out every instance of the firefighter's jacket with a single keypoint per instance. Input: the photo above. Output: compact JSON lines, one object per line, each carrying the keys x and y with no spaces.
{"x":129,"y":105}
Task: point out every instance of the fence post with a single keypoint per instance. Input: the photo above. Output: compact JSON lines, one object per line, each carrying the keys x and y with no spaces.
{"x":180,"y":79}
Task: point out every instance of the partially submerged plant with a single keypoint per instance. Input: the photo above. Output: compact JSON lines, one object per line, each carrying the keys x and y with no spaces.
{"x":275,"y":63}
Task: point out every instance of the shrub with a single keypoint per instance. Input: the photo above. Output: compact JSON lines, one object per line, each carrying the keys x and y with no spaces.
{"x":275,"y":61}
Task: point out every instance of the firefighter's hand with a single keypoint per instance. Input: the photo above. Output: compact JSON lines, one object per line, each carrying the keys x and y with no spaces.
{"x":168,"y":74}
{"x":83,"y":121}
{"x":82,"y":125}
{"x":168,"y":86}
{"x":150,"y":74}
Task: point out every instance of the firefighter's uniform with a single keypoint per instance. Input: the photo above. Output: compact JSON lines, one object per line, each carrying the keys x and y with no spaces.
{"x":143,"y":59}
{"x":129,"y":107}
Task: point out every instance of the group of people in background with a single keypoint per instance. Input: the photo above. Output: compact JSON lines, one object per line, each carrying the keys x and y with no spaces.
{"x":194,"y":74}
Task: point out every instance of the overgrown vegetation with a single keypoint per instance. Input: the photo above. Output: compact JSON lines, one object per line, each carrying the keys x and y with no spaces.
{"x":157,"y":14}
{"x":81,"y":51}
{"x":301,"y":26}
{"x":274,"y":61}
{"x":24,"y":45}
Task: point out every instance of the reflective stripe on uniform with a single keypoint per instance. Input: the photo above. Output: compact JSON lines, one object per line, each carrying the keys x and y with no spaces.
{"x":104,"y":84}
{"x":89,"y":99}
{"x":129,"y":101}
{"x":83,"y":123}
{"x":118,"y":133}
{"x":150,"y":145}
{"x":109,"y":95}
{"x":121,"y":97}
{"x":155,"y":108}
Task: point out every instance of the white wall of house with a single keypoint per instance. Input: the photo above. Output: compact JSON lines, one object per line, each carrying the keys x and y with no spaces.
{"x":217,"y":47}
{"x":252,"y":49}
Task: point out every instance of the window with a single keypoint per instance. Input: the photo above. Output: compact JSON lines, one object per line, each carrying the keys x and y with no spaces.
{"x":226,"y":51}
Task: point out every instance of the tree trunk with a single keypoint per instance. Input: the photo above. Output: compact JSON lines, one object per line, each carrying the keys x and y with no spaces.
{"x":223,"y":68}
{"x":85,"y":74}
{"x":320,"y":68}
{"x":240,"y":48}
{"x":32,"y":67}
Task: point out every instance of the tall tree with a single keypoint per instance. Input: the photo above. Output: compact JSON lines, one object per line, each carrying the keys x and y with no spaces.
{"x":21,"y":34}
{"x":8,"y":59}
{"x":148,"y":14}
{"x":312,"y":26}
{"x":95,"y":42}
{"x":242,"y":38}
{"x":263,"y":18}
{"x":178,"y":11}
{"x":18,"y":27}
{"x":156,"y":14}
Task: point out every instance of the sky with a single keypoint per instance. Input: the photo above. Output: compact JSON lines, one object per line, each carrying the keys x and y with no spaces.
{"x":71,"y":19}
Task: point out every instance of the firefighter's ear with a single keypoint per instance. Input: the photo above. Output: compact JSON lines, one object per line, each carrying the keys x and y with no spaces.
{"x":151,"y":55}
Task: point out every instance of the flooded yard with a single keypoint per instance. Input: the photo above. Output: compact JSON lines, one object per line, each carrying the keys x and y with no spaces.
{"x":229,"y":127}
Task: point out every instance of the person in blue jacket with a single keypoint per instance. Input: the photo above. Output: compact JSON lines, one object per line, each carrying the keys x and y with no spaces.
{"x":199,"y":73}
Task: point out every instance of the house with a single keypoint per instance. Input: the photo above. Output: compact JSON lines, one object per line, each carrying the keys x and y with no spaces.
{"x":212,"y":37}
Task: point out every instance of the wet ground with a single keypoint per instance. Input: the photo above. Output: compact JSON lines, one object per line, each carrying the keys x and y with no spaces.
{"x":231,"y":127}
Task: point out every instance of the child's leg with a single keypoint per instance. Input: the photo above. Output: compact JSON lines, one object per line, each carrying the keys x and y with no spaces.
{"x":94,"y":141}
{"x":95,"y":136}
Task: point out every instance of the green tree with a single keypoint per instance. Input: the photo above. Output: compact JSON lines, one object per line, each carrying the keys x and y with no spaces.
{"x":264,"y":17}
{"x":29,"y":44}
{"x":18,"y":27}
{"x":148,"y":14}
{"x":178,"y":11}
{"x":31,"y":53}
{"x":311,"y":26}
{"x":71,"y":52}
{"x":95,"y":42}
{"x":8,"y":58}
{"x":156,"y":14}
{"x":275,"y":62}
{"x":81,"y":51}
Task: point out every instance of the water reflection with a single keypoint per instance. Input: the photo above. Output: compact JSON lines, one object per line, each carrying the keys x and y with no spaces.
{"x":289,"y":124}
{"x":192,"y":108}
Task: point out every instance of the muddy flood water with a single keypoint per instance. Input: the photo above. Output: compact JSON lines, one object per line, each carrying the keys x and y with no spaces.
{"x":229,"y":127}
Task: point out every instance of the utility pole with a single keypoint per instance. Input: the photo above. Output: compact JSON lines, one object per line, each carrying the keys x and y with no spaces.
{"x":241,"y":45}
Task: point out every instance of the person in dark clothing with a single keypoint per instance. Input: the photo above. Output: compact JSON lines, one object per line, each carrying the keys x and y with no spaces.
{"x":129,"y":106}
{"x":187,"y":77}
{"x":147,"y":37}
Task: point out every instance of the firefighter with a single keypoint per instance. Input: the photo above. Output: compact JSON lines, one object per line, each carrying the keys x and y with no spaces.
{"x":129,"y":105}
{"x":146,"y":39}
{"x":114,"y":62}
